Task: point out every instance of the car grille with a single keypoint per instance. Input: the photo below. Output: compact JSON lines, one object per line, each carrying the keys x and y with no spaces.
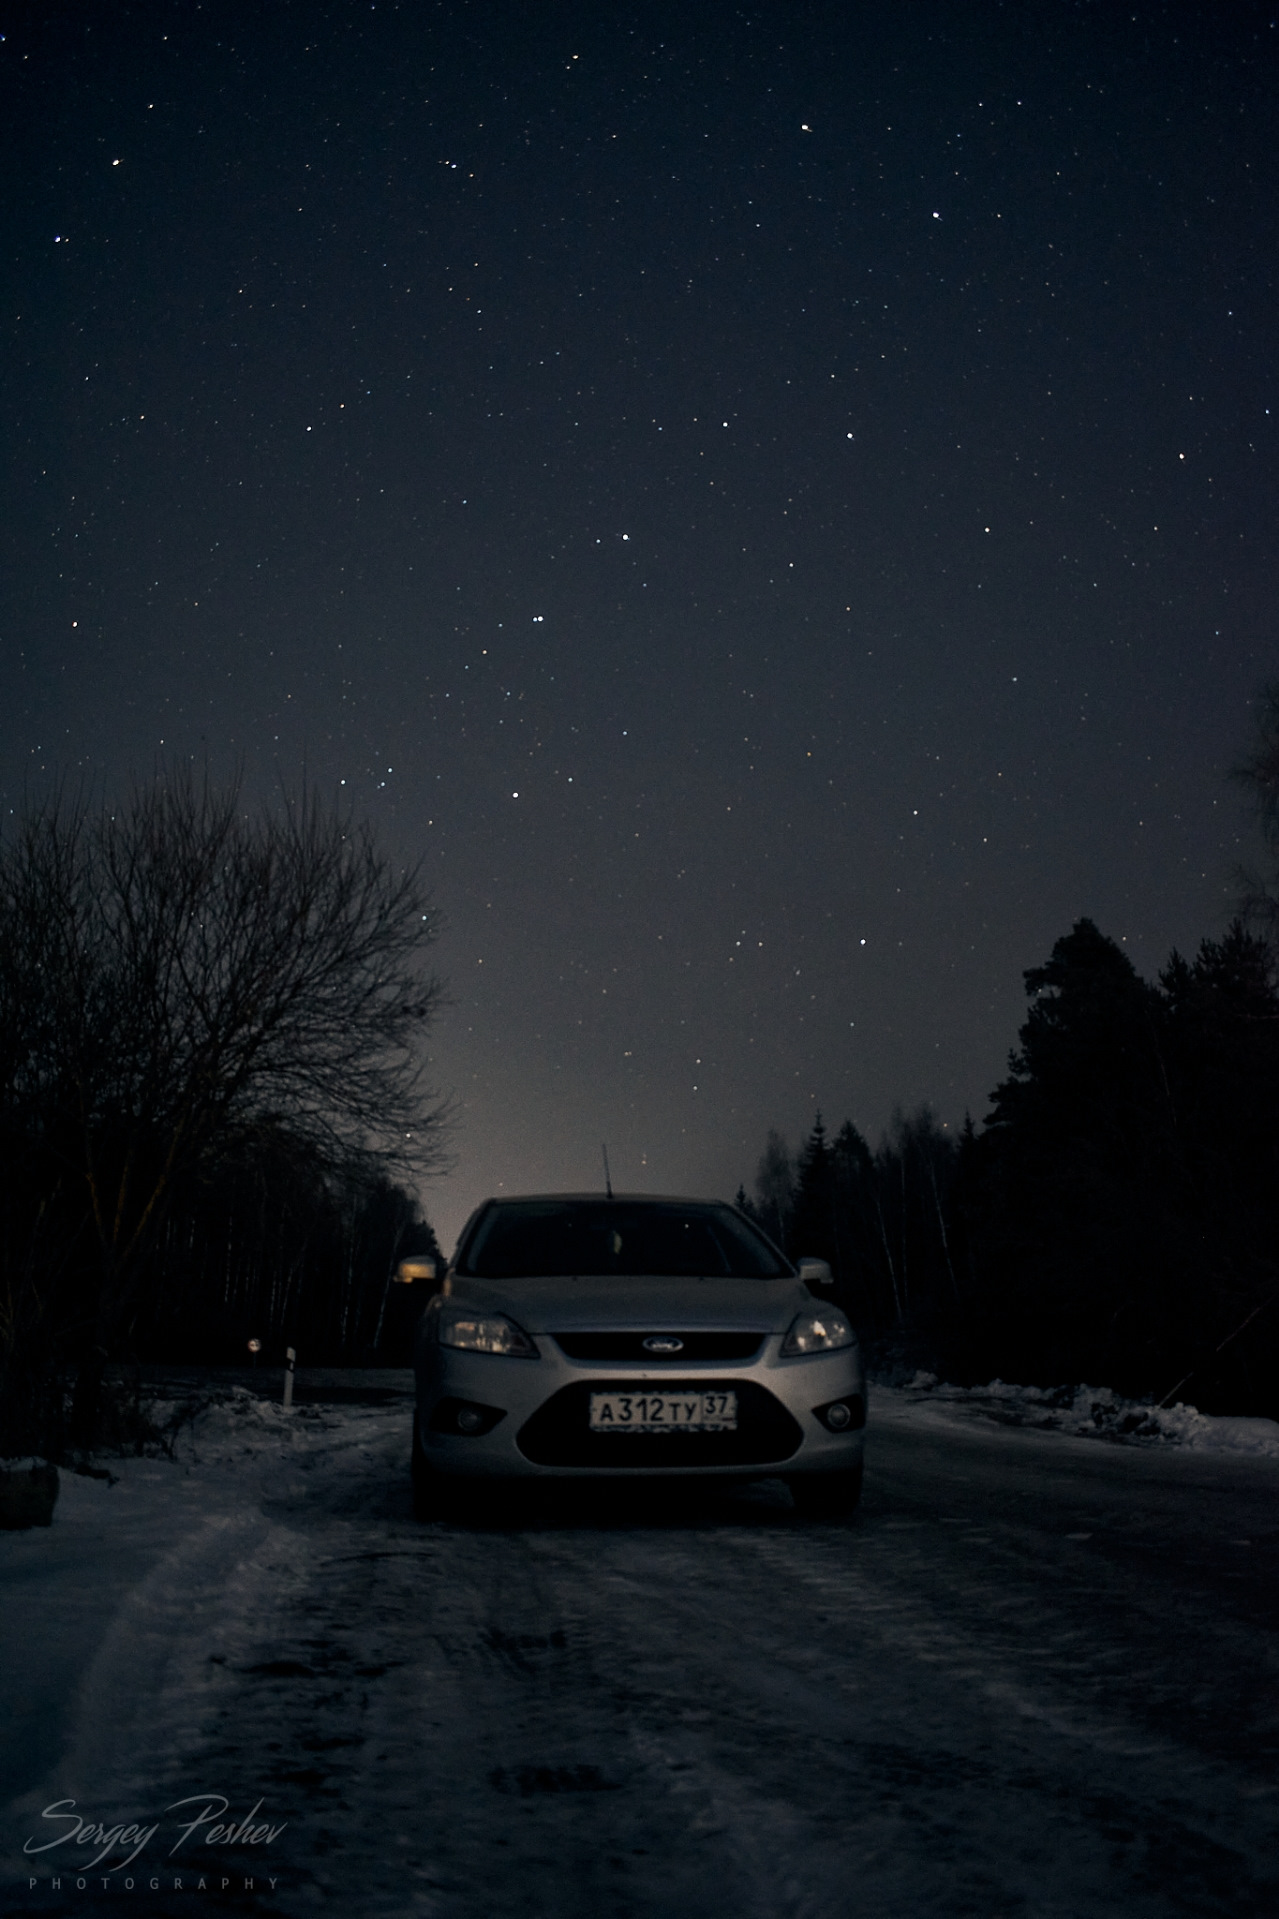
{"x":695,"y":1347}
{"x":559,"y":1433}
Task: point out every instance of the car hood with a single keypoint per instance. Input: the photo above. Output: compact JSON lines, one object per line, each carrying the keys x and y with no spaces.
{"x":646,"y":1305}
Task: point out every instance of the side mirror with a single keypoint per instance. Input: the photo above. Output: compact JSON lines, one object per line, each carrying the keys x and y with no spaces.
{"x":815,"y":1272}
{"x":410,"y":1270}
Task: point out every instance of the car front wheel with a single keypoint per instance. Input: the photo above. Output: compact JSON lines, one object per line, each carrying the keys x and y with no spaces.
{"x":826,"y":1495}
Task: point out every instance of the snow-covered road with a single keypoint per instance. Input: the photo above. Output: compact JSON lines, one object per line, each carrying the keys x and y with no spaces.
{"x":1036,"y":1677}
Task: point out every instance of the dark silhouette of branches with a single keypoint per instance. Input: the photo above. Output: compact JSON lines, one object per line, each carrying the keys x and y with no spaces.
{"x":1258,"y":775}
{"x":179,"y":972}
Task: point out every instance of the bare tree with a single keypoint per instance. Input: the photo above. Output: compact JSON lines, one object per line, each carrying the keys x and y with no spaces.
{"x":775,"y":1186}
{"x":1258,"y":775}
{"x":178,"y":972}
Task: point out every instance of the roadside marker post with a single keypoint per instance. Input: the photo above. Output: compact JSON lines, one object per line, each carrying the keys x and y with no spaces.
{"x":289,"y":1357}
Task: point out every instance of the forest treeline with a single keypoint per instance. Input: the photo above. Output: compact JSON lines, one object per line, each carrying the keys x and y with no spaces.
{"x":212,"y":1113}
{"x":211,"y":1090}
{"x":277,"y":1247}
{"x":1115,"y":1216}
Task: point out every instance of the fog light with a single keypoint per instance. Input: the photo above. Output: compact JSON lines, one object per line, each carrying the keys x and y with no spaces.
{"x":466,"y":1417}
{"x":843,"y":1415}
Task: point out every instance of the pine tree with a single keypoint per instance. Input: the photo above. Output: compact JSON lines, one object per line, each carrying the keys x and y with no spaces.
{"x":814,"y":1226}
{"x":1069,"y":1205}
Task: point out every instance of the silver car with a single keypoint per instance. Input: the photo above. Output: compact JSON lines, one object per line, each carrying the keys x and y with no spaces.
{"x":578,"y":1336}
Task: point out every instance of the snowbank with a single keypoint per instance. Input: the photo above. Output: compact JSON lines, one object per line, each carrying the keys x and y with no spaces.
{"x":236,"y":1424}
{"x":1099,"y":1412}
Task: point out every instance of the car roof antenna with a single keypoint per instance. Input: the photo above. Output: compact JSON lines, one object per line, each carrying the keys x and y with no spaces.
{"x":608,"y":1184}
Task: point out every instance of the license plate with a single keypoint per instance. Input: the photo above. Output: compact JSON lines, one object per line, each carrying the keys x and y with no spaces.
{"x":663,"y":1412}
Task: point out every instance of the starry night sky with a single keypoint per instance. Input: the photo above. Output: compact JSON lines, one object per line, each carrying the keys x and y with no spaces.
{"x":775,"y":506}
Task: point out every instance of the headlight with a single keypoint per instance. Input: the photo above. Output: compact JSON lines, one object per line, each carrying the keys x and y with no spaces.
{"x":472,"y":1332}
{"x":821,"y":1331}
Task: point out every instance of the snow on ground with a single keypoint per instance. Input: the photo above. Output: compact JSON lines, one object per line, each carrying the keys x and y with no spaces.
{"x":131,"y":1556}
{"x":1092,"y":1412}
{"x":1024,"y":1680}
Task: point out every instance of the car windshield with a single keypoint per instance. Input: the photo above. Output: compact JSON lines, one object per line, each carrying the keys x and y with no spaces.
{"x":546,"y":1238}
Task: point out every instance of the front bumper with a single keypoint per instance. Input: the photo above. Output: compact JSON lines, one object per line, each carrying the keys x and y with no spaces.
{"x":543,"y":1430}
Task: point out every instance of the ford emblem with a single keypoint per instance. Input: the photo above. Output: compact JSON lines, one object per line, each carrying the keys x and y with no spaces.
{"x":663,"y":1343}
